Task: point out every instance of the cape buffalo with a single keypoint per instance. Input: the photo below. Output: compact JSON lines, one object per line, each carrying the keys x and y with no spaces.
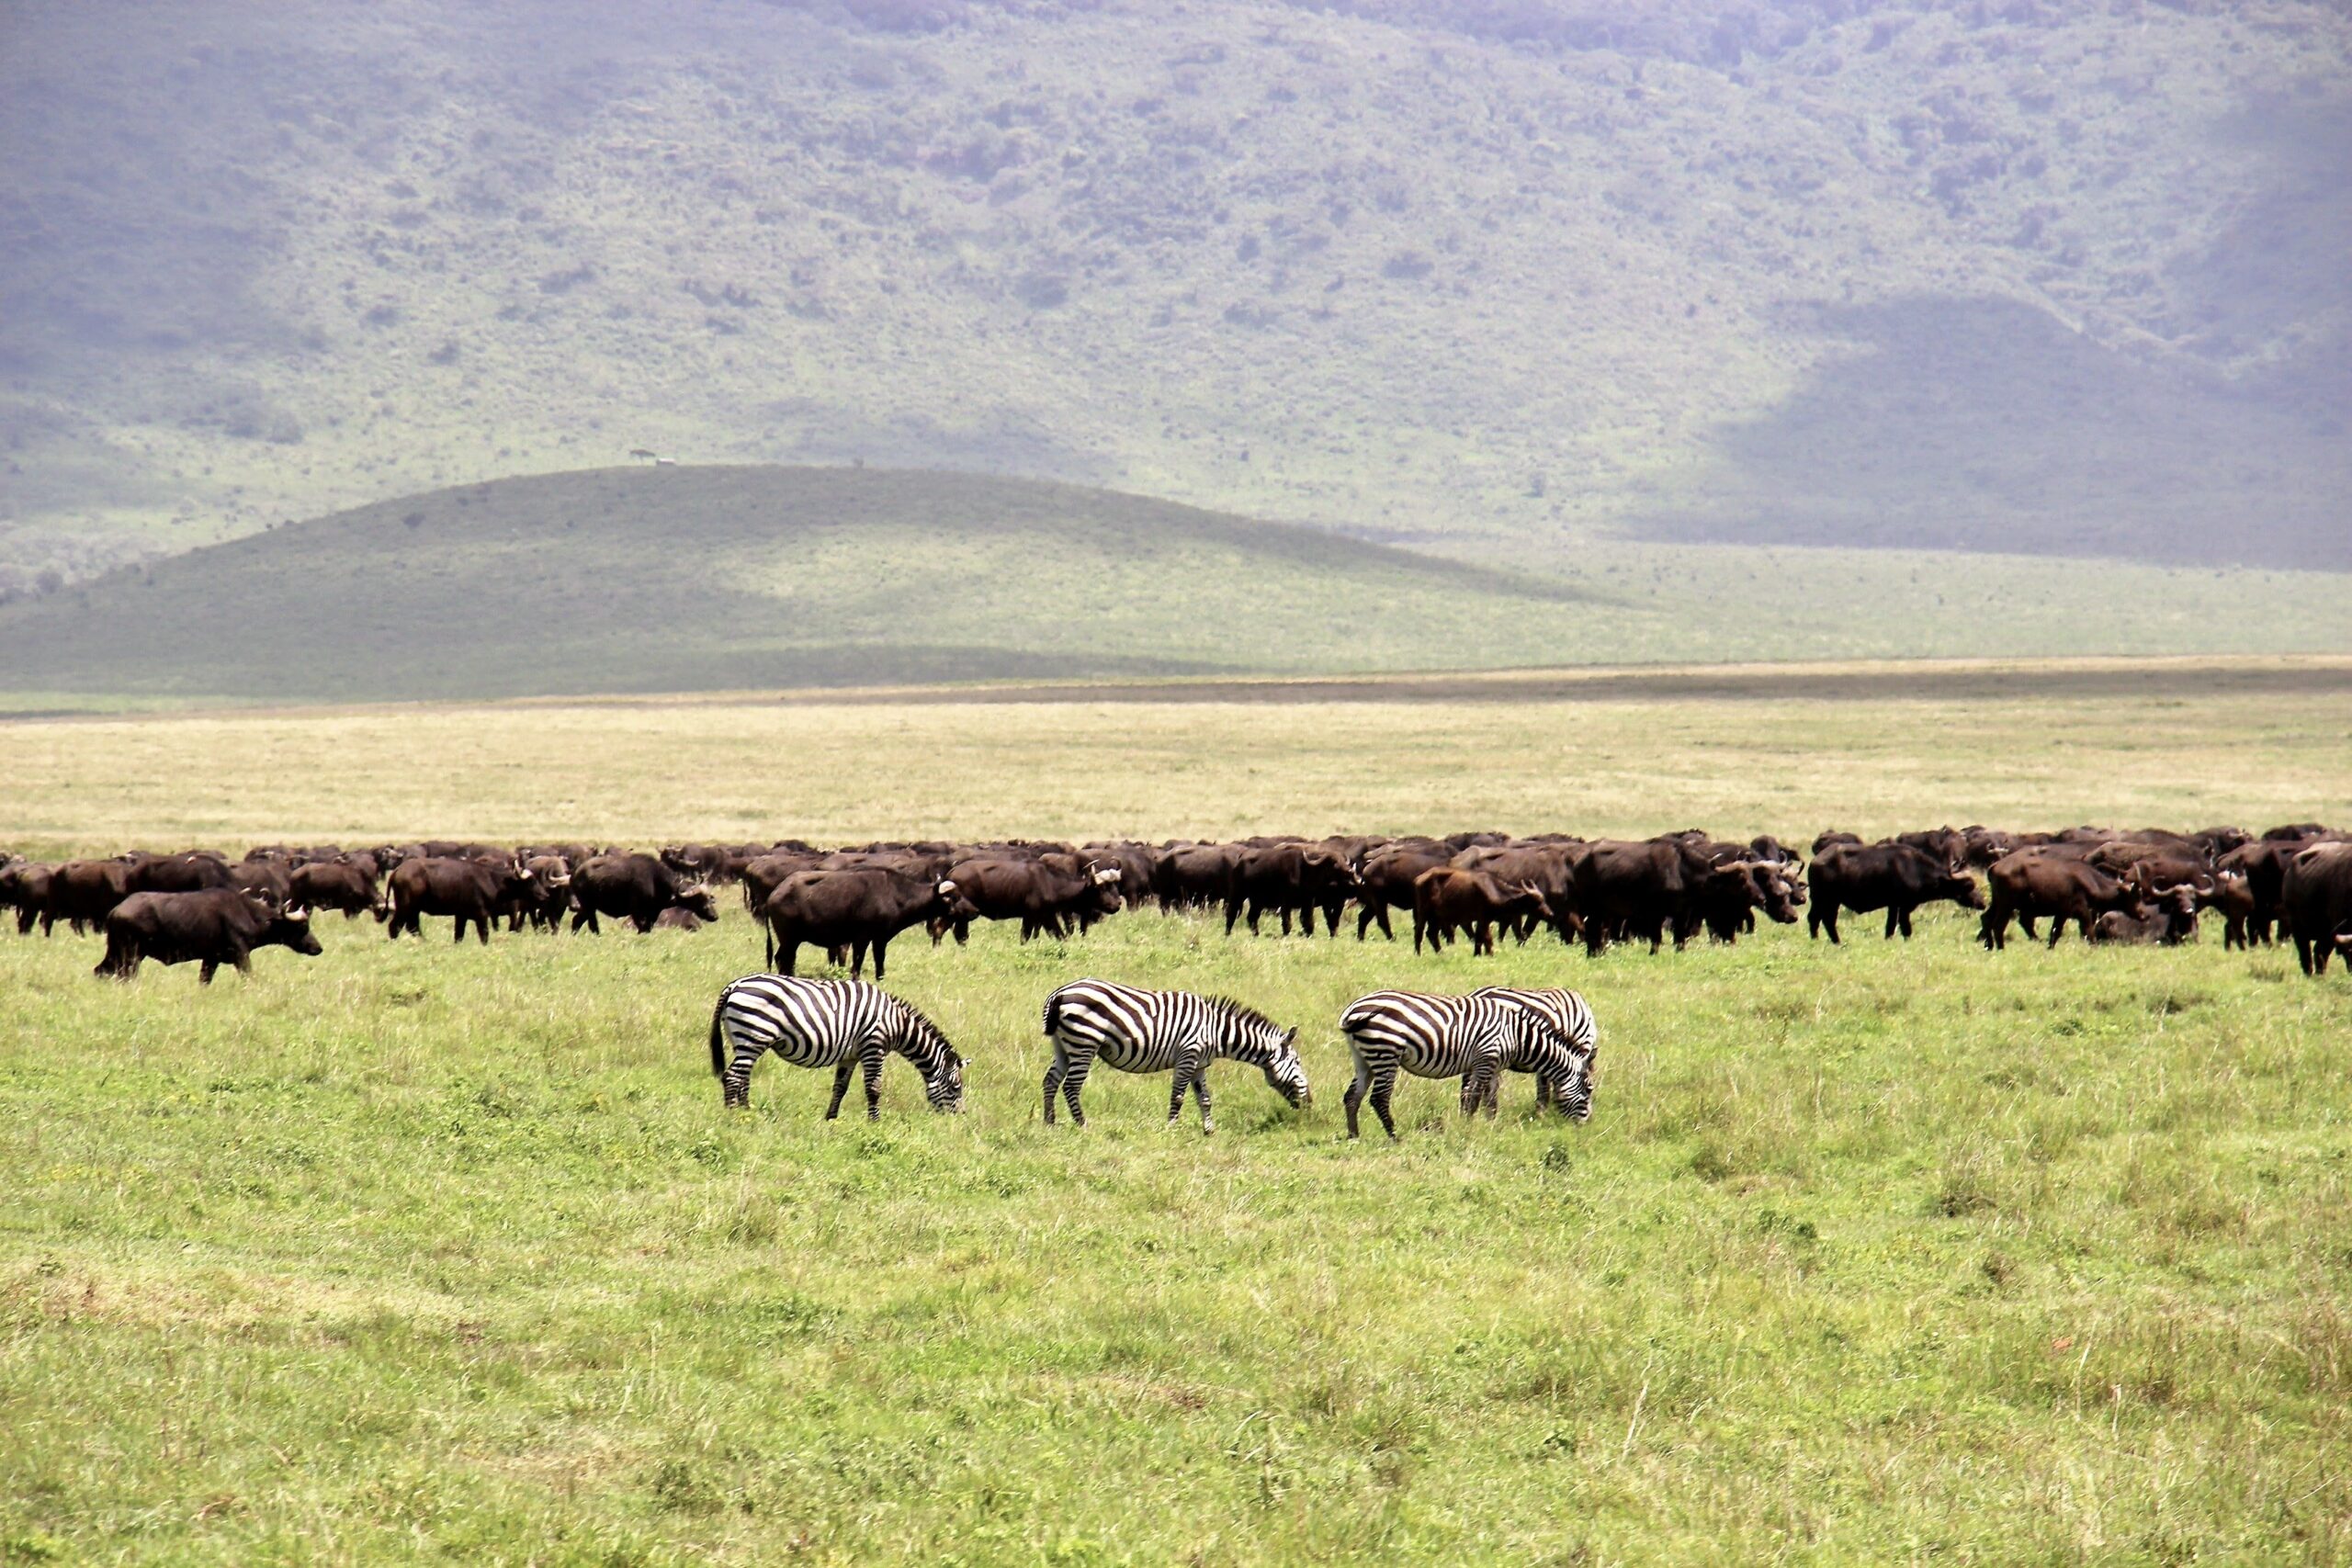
{"x":221,"y":925}
{"x":1448,"y":901}
{"x":335,"y":884}
{"x":1895,"y":877}
{"x":469,"y":891}
{"x":636,"y":888}
{"x":2316,"y":901}
{"x":857,"y":909}
{"x":2033,"y":883}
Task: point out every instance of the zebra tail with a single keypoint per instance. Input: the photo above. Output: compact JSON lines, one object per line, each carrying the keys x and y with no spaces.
{"x":1053,"y":1012}
{"x":718,"y":1038}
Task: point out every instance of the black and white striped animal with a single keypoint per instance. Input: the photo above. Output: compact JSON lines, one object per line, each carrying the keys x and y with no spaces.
{"x":1158,"y":1031}
{"x":840,"y":1024}
{"x":1468,"y":1038}
{"x":1562,"y":1058}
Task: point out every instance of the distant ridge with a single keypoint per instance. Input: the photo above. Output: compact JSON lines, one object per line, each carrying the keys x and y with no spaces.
{"x":690,"y":578}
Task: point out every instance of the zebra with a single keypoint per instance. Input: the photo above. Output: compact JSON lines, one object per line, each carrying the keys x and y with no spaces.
{"x":1152,"y":1032}
{"x":1562,"y":1060}
{"x":1467,"y":1037}
{"x":840,"y":1024}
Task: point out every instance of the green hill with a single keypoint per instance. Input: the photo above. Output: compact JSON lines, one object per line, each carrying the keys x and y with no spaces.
{"x":1534,"y":279}
{"x":700,"y":579}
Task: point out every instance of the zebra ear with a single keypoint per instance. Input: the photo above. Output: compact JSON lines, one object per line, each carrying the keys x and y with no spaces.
{"x":1290,"y":1035}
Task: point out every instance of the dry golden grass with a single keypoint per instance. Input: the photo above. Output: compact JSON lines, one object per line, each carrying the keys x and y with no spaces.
{"x":2182,"y":742}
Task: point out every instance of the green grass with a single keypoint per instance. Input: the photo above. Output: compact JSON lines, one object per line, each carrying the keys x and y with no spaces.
{"x":420,"y":1251}
{"x":691,"y":579}
{"x":414,"y":1250}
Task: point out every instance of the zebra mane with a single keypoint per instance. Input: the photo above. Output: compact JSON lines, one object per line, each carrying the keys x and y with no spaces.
{"x":1242,"y":1013}
{"x":921,"y":1032}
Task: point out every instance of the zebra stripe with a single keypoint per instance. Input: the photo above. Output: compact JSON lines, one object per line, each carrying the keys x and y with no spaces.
{"x":1434,"y":1037}
{"x":1562,"y":1056}
{"x":1158,"y":1031}
{"x":842,"y":1024}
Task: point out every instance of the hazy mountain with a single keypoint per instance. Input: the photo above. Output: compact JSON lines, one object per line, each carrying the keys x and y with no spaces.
{"x":1509,"y":278}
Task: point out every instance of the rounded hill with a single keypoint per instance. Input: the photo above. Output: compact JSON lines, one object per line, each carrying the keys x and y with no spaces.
{"x":697,"y":579}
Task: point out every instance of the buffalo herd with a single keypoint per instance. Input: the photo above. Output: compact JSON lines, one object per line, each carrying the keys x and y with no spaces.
{"x":2291,"y":882}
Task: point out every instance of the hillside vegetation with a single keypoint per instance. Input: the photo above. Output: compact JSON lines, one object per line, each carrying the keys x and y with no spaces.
{"x":1523,"y":277}
{"x":693,"y":578}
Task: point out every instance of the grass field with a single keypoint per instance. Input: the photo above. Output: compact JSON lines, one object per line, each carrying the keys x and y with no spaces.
{"x":1886,"y":1252}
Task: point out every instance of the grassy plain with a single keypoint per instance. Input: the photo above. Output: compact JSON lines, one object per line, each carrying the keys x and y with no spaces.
{"x":414,"y":1250}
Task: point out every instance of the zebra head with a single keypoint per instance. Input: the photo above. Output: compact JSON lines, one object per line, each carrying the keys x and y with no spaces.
{"x":1575,"y":1089}
{"x":945,"y":1089}
{"x":1286,"y":1073}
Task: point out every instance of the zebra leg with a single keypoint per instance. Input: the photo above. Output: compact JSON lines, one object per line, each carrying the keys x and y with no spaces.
{"x":1074,"y":1085}
{"x":1384,"y":1084}
{"x":841,"y":1086}
{"x":1200,"y":1093}
{"x":1055,"y":1071}
{"x":872,"y":1058}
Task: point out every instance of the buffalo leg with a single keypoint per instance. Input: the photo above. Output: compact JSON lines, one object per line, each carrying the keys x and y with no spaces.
{"x":881,"y":954}
{"x":204,"y":974}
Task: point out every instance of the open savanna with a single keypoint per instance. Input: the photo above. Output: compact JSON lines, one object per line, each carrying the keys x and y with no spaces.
{"x":416,"y":1251}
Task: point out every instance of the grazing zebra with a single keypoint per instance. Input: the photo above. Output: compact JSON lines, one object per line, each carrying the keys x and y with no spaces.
{"x":840,"y":1024}
{"x":1152,"y":1032}
{"x":1436,"y":1037}
{"x":1561,"y":1059}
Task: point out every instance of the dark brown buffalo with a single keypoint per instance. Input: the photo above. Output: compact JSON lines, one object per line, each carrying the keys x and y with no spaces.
{"x":1625,"y":891}
{"x":857,"y":909}
{"x":2315,"y":902}
{"x":469,"y":891}
{"x":1895,"y":877}
{"x":1546,"y":865}
{"x":1986,"y":845}
{"x":221,"y":925}
{"x":194,"y":871}
{"x":2171,"y":919}
{"x":2033,"y":884}
{"x":1047,"y":895}
{"x":2294,"y":832}
{"x":2263,"y":865}
{"x":82,"y":892}
{"x":1290,"y":879}
{"x":1726,"y":904}
{"x":335,"y":884}
{"x":1194,"y":876}
{"x":635,"y":888}
{"x":1824,"y":843}
{"x":2235,"y":900}
{"x":23,"y":887}
{"x":546,"y":897}
{"x":678,"y":918}
{"x":1385,"y":879}
{"x":764,"y":874}
{"x":1947,"y":845}
{"x":1448,"y":901}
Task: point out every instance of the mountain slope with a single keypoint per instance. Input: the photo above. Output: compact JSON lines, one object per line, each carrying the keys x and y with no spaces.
{"x":1529,"y":274}
{"x":694,"y":578}
{"x":702,"y":578}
